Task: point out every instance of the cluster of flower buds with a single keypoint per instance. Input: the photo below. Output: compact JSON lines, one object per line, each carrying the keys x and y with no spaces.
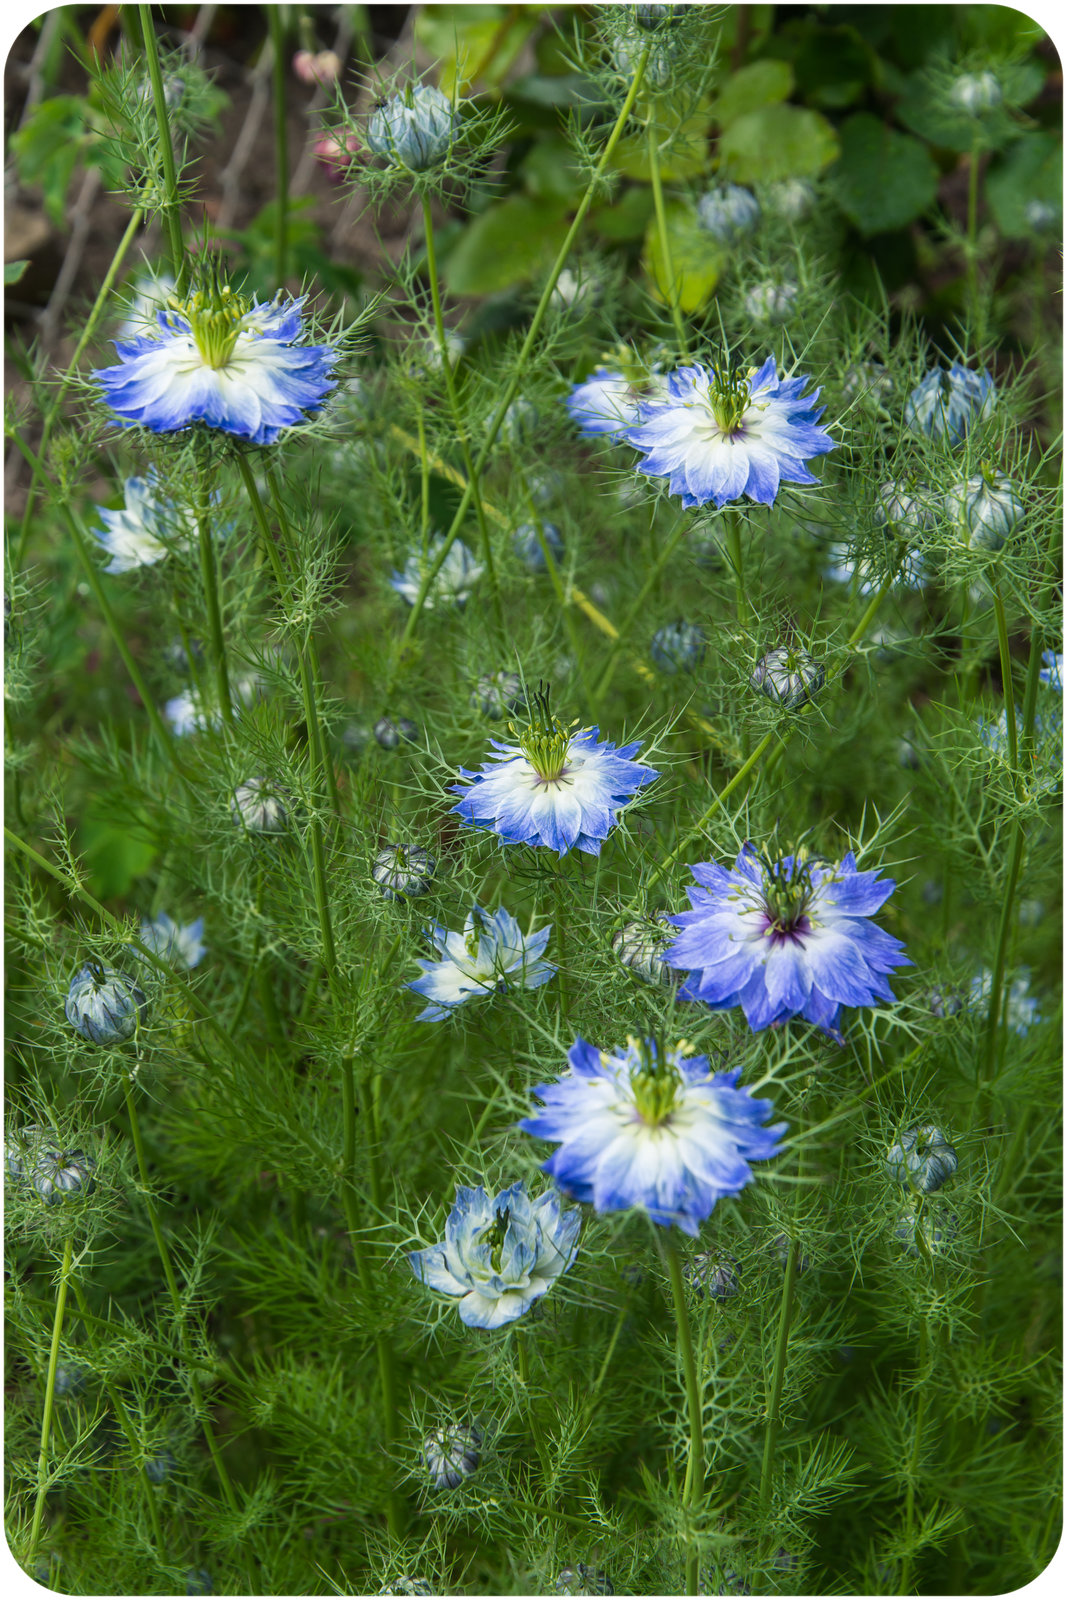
{"x":789,"y":677}
{"x":452,"y":1453}
{"x":922,"y":1159}
{"x":35,"y":1160}
{"x":403,"y":871}
{"x":104,"y":1005}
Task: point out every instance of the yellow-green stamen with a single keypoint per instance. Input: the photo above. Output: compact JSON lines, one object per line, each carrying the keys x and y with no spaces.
{"x":729,"y":397}
{"x":544,"y":741}
{"x":655,"y":1082}
{"x":214,"y":317}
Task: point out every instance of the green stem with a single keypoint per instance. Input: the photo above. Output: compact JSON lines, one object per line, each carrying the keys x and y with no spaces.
{"x":512,"y":388}
{"x":774,"y":1404}
{"x":281,"y":146}
{"x":694,"y":1473}
{"x":458,"y":421}
{"x":176,"y":1300}
{"x":636,"y":609}
{"x":50,"y":1397}
{"x":51,"y":411}
{"x":172,"y":205}
{"x":672,"y":283}
{"x":210,"y":577}
{"x":1004,"y":648}
{"x":737,"y":561}
{"x":972,"y":236}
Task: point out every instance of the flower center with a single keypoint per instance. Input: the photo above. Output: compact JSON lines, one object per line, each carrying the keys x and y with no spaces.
{"x":214,"y":316}
{"x":655,"y":1081}
{"x":787,"y":892}
{"x":494,"y":1237}
{"x":544,"y":741}
{"x":729,"y":397}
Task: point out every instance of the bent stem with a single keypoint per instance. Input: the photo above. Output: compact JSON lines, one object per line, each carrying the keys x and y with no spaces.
{"x":693,"y":1487}
{"x":672,"y":286}
{"x":50,"y":1396}
{"x":172,"y":205}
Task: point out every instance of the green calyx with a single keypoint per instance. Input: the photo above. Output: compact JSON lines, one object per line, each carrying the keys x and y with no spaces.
{"x":214,"y":315}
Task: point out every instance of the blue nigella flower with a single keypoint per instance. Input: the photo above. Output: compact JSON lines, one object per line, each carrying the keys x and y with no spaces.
{"x":658,"y":1133}
{"x":607,"y":402}
{"x":718,"y":435}
{"x":728,"y":212}
{"x":453,"y":582}
{"x":556,"y":788}
{"x":223,"y":360}
{"x":183,"y":946}
{"x":945,"y":404}
{"x":145,"y":530}
{"x":498,"y":1256}
{"x":490,"y":954}
{"x":1021,"y":1012}
{"x":414,"y":129}
{"x":1052,"y":672}
{"x":786,"y":938}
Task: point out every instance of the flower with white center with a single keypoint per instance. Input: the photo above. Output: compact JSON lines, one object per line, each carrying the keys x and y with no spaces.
{"x":922,"y":1159}
{"x":104,"y":1005}
{"x":498,"y":1256}
{"x":654,"y":1131}
{"x":976,"y":93}
{"x":728,"y":212}
{"x":182,"y":946}
{"x":985,"y":508}
{"x":145,"y":530}
{"x":946,"y":404}
{"x":220,"y":359}
{"x":453,"y":582}
{"x":489,"y":955}
{"x":555,"y":787}
{"x":769,"y":302}
{"x":1021,"y":1013}
{"x":452,"y":1454}
{"x":403,"y":871}
{"x":718,"y":435}
{"x":1052,"y":672}
{"x":415,"y":129}
{"x":786,"y":938}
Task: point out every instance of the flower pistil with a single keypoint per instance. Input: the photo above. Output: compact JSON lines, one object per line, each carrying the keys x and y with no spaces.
{"x":655,"y":1081}
{"x":214,"y":315}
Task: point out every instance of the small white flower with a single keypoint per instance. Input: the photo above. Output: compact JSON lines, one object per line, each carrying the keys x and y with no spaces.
{"x":145,"y":530}
{"x":452,"y":584}
{"x":490,"y":954}
{"x":183,"y":946}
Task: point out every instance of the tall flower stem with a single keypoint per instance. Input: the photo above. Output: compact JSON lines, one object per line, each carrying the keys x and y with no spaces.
{"x":176,"y":1300}
{"x":637,"y":608}
{"x":172,"y":205}
{"x":973,"y":174}
{"x":774,"y":1399}
{"x":737,"y":561}
{"x":52,"y":409}
{"x":693,"y":1488}
{"x":209,"y":574}
{"x":512,"y":387}
{"x":281,"y":145}
{"x":50,"y":1396}
{"x":458,"y":420}
{"x":672,"y":284}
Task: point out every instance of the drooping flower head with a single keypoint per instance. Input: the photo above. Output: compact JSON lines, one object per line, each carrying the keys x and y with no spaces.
{"x":720,"y":433}
{"x":555,"y":787}
{"x":946,"y":404}
{"x":786,"y":938}
{"x":220,"y":359}
{"x":490,"y":954}
{"x":144,"y":530}
{"x":499,"y":1256}
{"x":651,"y":1129}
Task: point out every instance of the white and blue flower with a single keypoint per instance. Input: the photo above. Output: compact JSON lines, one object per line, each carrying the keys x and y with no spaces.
{"x":144,"y":530}
{"x":718,"y":435}
{"x":499,"y":1255}
{"x":946,"y":404}
{"x":1021,"y":1010}
{"x":555,"y":787}
{"x":220,"y":359}
{"x":490,"y":954}
{"x":608,"y":402}
{"x":453,"y":581}
{"x":661,"y":1134}
{"x":182,"y":946}
{"x":786,"y":938}
{"x":1052,"y":672}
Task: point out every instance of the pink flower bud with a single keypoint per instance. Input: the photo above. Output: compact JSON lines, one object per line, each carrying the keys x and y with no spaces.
{"x":322,"y":68}
{"x":334,"y":153}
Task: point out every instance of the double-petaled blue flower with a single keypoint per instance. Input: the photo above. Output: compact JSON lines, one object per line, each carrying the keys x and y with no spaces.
{"x":717,"y":435}
{"x":659,"y":1133}
{"x":490,"y":954}
{"x":498,"y":1256}
{"x":222,"y":360}
{"x":946,"y":404}
{"x":556,"y":787}
{"x":786,"y":938}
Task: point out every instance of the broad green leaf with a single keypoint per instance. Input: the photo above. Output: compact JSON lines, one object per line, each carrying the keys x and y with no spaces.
{"x":1031,"y":170}
{"x":550,"y":173}
{"x":627,"y":218}
{"x":115,"y":853}
{"x":884,"y":179}
{"x":761,"y":84}
{"x":474,"y":43}
{"x":13,"y":271}
{"x":775,"y":142}
{"x":684,"y":155}
{"x":505,"y":245}
{"x":47,"y":147}
{"x":697,"y":260}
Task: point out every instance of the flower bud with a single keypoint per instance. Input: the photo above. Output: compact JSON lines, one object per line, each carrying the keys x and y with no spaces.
{"x":714,"y":1273}
{"x":868,"y":382}
{"x":498,"y":694}
{"x":943,"y":1002}
{"x":728,"y":212}
{"x":582,"y":1579}
{"x":575,"y":291}
{"x":323,"y":67}
{"x":780,"y":1244}
{"x":658,"y":68}
{"x":976,"y":93}
{"x":946,"y":404}
{"x":390,"y":734}
{"x":651,"y":17}
{"x":402,"y":871}
{"x":452,"y":1454}
{"x":1040,"y":216}
{"x":336,"y":152}
{"x":640,"y":946}
{"x":922,"y":1159}
{"x":415,"y":129}
{"x":104,"y":1005}
{"x":406,"y":1584}
{"x":902,"y":506}
{"x":679,"y":647}
{"x":788,"y":677}
{"x":772,"y":303}
{"x":25,"y":1147}
{"x":527,"y":545}
{"x":936,"y":1228}
{"x":258,"y":807}
{"x":986,"y":509}
{"x":63,"y":1176}
{"x":791,"y":198}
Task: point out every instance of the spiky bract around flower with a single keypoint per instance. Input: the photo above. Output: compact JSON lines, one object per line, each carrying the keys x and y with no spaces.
{"x":944,"y":405}
{"x":719,"y":434}
{"x":220,"y":359}
{"x":146,"y":529}
{"x":555,"y":787}
{"x":786,"y":938}
{"x":498,"y":1256}
{"x":640,"y":1128}
{"x":490,"y":954}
